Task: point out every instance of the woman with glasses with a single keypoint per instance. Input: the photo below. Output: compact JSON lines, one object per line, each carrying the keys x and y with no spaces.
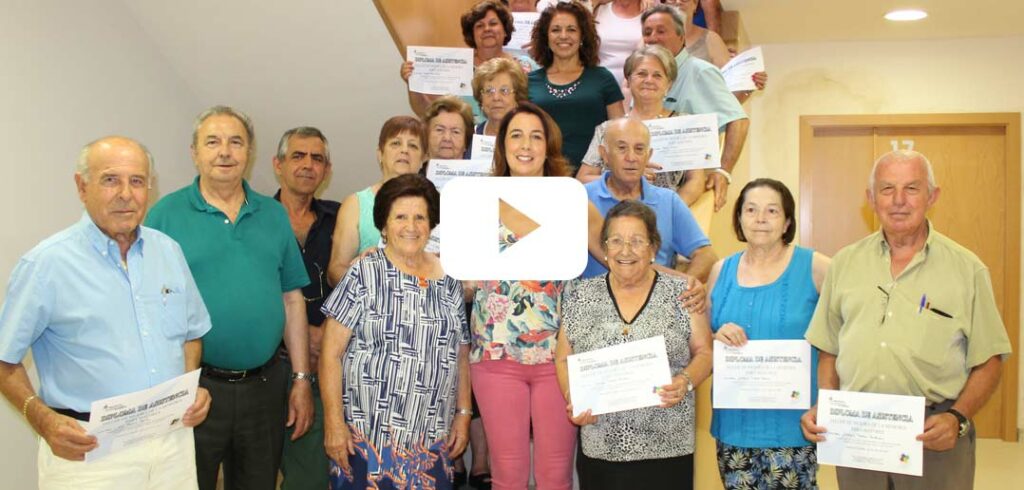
{"x":646,"y":447}
{"x":499,"y":85}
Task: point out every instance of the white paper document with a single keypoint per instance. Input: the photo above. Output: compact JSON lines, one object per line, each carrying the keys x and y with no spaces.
{"x":483,"y":147}
{"x":523,"y":23}
{"x":441,"y":171}
{"x":685,"y":142}
{"x":441,"y":71}
{"x":123,"y":421}
{"x":617,"y":378}
{"x":739,"y":70}
{"x":762,"y":374}
{"x":871,"y":431}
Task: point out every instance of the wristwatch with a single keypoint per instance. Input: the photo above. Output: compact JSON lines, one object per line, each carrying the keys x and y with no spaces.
{"x":300,"y":375}
{"x":965,"y":423}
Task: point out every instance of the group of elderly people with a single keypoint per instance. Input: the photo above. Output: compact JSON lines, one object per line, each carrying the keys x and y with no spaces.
{"x":410,"y":355}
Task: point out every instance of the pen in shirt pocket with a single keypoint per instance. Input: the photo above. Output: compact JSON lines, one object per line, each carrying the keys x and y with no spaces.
{"x":927,"y":305}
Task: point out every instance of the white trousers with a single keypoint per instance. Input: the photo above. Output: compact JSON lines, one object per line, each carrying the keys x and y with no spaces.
{"x":165,"y":463}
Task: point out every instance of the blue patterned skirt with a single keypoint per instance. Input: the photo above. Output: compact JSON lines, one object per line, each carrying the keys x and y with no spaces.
{"x":420,"y":467}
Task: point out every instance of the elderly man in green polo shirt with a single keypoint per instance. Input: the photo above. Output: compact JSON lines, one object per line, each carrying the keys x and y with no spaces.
{"x":246,"y":262}
{"x":874,"y":335}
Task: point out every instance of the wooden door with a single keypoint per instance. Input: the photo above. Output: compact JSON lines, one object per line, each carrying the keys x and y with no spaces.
{"x":976,"y":159}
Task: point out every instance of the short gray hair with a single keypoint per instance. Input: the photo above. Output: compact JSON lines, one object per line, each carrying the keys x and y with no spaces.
{"x":302,"y":132}
{"x":903,"y":156}
{"x":668,"y":62}
{"x":219,"y":110}
{"x":82,"y":166}
{"x":678,"y":17}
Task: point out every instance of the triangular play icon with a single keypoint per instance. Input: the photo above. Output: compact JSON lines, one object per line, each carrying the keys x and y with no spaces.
{"x":524,"y":224}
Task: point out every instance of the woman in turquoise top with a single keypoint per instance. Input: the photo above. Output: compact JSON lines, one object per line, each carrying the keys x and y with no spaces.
{"x":570,"y":86}
{"x":767,"y":292}
{"x":401,"y":149}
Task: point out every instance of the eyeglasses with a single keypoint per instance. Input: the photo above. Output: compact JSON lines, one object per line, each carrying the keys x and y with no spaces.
{"x":635,"y":243}
{"x":492,"y":91}
{"x":319,"y":281}
{"x":638,"y":150}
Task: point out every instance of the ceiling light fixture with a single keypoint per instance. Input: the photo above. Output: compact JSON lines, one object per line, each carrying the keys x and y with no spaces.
{"x":906,"y":15}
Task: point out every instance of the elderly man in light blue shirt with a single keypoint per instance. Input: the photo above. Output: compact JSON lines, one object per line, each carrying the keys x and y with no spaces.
{"x":626,"y":150}
{"x":108,"y":307}
{"x":699,"y":89}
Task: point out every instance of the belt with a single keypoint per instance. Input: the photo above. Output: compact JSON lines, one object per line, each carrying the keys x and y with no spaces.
{"x":233,"y":376}
{"x":83,"y":416}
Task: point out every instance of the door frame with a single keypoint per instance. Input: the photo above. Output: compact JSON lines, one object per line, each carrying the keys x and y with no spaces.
{"x":1010,"y":122}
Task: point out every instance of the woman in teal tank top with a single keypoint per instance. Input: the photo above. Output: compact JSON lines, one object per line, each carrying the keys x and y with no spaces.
{"x":401,"y":149}
{"x":767,"y":292}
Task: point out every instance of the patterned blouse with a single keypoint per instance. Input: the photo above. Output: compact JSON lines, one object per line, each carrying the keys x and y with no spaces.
{"x":515,"y":320}
{"x":401,"y":365}
{"x":592,"y":321}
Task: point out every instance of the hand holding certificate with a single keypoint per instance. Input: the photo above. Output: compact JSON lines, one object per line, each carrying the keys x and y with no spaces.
{"x":871,"y":431}
{"x":123,"y":421}
{"x":441,"y":71}
{"x":739,"y":70}
{"x":762,"y":374}
{"x":617,"y":378}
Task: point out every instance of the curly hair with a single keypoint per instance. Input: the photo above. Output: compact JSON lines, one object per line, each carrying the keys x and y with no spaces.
{"x":493,"y":67}
{"x":479,"y":11}
{"x":590,"y":42}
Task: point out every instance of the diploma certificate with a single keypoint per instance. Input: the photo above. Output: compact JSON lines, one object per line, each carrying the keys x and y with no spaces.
{"x":441,"y":71}
{"x":871,"y":431}
{"x":441,"y":171}
{"x":123,"y":421}
{"x":523,"y":23}
{"x":762,"y":374}
{"x":685,"y":142}
{"x":617,"y":378}
{"x":739,"y":70}
{"x":483,"y":147}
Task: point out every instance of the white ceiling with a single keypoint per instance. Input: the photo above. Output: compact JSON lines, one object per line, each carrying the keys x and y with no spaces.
{"x":793,"y":21}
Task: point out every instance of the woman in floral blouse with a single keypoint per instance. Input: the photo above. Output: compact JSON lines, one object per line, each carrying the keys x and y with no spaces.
{"x":515,"y":325}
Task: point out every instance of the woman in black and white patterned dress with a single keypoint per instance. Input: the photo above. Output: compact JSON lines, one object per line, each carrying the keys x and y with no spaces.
{"x":647,"y":447}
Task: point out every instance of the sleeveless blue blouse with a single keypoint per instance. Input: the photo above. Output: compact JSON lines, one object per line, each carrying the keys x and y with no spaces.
{"x":780,"y":310}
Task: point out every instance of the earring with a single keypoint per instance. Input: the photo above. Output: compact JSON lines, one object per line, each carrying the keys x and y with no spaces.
{"x":384,"y":238}
{"x":652,"y":260}
{"x":606,"y":259}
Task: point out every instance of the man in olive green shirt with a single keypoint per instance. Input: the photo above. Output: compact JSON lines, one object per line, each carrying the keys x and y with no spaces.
{"x":908,"y":311}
